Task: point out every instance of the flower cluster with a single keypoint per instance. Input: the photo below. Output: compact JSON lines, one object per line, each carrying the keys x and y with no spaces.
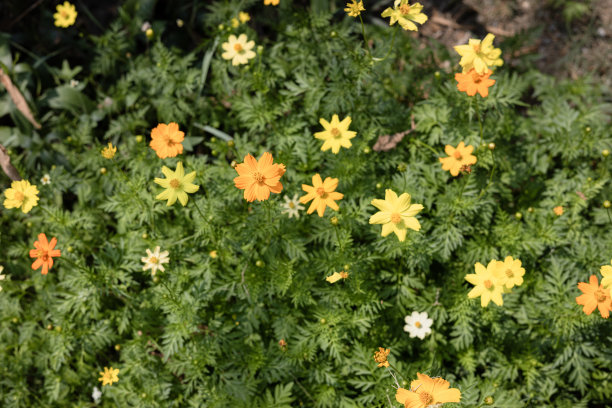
{"x":477,"y":60}
{"x":497,"y":278}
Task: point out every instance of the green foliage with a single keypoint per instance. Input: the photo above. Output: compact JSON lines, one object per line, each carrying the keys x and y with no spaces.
{"x":206,"y":332}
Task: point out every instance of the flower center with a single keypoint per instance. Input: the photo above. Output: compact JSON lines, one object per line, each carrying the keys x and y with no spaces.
{"x":19,"y":196}
{"x":476,"y":48}
{"x":238,"y":47}
{"x":396,"y":218}
{"x":64,"y":14}
{"x":335,"y":132}
{"x":476,"y":77}
{"x":457,"y":155}
{"x":292,"y":205}
{"x":153,"y":260}
{"x":258,"y":177}
{"x":509,"y":273}
{"x":174,"y":183}
{"x":426,"y":398}
{"x":44,"y":256}
{"x":404,"y":9}
{"x":488,"y":284}
{"x":418,"y":325}
{"x":600,"y":295}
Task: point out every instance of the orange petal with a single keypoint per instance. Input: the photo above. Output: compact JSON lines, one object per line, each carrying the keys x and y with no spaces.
{"x":265,"y":161}
{"x":251,"y":162}
{"x":42,"y":239}
{"x":37,"y":264}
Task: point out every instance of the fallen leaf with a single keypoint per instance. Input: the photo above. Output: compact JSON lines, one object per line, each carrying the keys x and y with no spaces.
{"x":18,"y":99}
{"x":5,"y":162}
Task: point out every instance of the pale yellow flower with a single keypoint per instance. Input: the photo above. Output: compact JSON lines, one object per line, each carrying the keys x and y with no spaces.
{"x":244,"y":17}
{"x":480,"y":55}
{"x":109,"y":151}
{"x":336,"y":134}
{"x":109,"y":376}
{"x":396,"y":214}
{"x":354,"y":9}
{"x":22,"y":195}
{"x":239,"y":49}
{"x":405,"y":14}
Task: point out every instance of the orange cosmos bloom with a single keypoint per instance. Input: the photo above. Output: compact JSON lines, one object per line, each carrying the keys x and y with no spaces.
{"x":594,"y":296}
{"x":166,"y":140}
{"x":458,"y":157}
{"x":322,"y":193}
{"x":427,"y":391}
{"x":257,"y":179}
{"x":472,"y":82}
{"x":44,"y":253}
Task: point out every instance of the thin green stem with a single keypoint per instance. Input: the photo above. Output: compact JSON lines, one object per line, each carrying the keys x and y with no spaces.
{"x":479,"y":120}
{"x":609,"y":217}
{"x":71,"y":262}
{"x":390,"y":48}
{"x":490,"y":176}
{"x":365,"y":40}
{"x":425,"y":145}
{"x":464,"y":184}
{"x":195,"y":203}
{"x":397,"y":371}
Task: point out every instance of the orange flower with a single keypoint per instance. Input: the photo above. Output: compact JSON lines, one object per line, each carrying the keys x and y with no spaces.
{"x":472,"y":82}
{"x":427,"y":391}
{"x":380,"y":357}
{"x":594,"y":296}
{"x":322,"y":193}
{"x":44,"y":253}
{"x":457,"y":158}
{"x":257,"y":179}
{"x":166,"y":140}
{"x":558,"y":210}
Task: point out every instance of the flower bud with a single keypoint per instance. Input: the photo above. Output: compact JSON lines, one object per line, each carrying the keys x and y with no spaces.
{"x":489,"y":400}
{"x":138,"y":138}
{"x":491,"y":146}
{"x":103,"y":170}
{"x":366,"y":150}
{"x":259,"y":263}
{"x":518,"y":215}
{"x":606,"y":204}
{"x":334,"y":220}
{"x":149,"y":33}
{"x":605,"y":152}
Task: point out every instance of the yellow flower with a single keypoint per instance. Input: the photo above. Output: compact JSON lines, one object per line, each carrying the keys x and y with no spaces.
{"x":457,"y":158}
{"x":336,"y":276}
{"x":488,"y":284}
{"x":239,"y":50}
{"x":396,"y":214}
{"x":606,"y":272}
{"x":271,"y":2}
{"x":480,"y":55}
{"x":65,"y":16}
{"x":22,"y":195}
{"x":109,"y":376}
{"x":380,"y":357}
{"x":244,"y":17}
{"x":235,"y":22}
{"x":510,"y":272}
{"x":427,"y":392}
{"x":177,"y":185}
{"x":322,"y":193}
{"x":109,"y":151}
{"x":354,"y":9}
{"x":405,"y":14}
{"x":336,"y":134}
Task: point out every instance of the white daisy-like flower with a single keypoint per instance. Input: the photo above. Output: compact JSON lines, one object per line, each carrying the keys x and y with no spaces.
{"x":154,"y":260}
{"x":73,"y":83}
{"x":418,"y":325}
{"x":1,"y":276}
{"x":145,"y":26}
{"x":239,"y":50}
{"x":46,"y":179}
{"x":292,"y":206}
{"x":96,"y":395}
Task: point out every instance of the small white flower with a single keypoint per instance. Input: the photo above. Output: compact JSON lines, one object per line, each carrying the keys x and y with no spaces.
{"x":292,"y":206}
{"x":73,"y":83}
{"x":154,"y":260}
{"x":46,"y":179}
{"x":96,"y":395}
{"x":145,"y":26}
{"x":418,"y":325}
{"x":1,"y":276}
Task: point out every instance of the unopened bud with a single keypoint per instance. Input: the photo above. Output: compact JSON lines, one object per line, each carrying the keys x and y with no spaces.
{"x":518,"y":215}
{"x":491,"y":146}
{"x":607,"y":204}
{"x":334,"y":220}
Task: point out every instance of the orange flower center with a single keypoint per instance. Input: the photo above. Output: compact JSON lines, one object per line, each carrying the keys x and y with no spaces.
{"x":396,"y":218}
{"x":19,"y":196}
{"x":258,"y":177}
{"x":509,"y":273}
{"x":488,"y":284}
{"x":457,"y":155}
{"x":418,"y":325}
{"x":600,"y":295}
{"x":64,"y":14}
{"x":426,"y":398}
{"x":476,"y":77}
{"x":153,"y":260}
{"x":335,"y":132}
{"x":321,"y":192}
{"x":238,"y":47}
{"x":476,"y":48}
{"x":404,"y":9}
{"x":174,"y":183}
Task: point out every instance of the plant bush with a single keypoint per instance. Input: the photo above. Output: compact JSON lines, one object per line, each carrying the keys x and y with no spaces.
{"x":243,"y":314}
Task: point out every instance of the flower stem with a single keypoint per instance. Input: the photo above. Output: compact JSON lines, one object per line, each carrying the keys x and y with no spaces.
{"x":195,"y":203}
{"x":365,"y":40}
{"x":609,"y":217}
{"x":479,"y":120}
{"x":425,"y":145}
{"x":390,"y":48}
{"x":490,"y":176}
{"x":397,"y":371}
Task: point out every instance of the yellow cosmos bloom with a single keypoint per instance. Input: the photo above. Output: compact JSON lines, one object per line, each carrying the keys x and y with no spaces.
{"x":65,"y":16}
{"x":336,"y":276}
{"x":404,"y":14}
{"x":336,"y":134}
{"x":488,"y":283}
{"x":238,"y":49}
{"x":427,"y":392}
{"x":109,"y":151}
{"x":480,"y":55}
{"x":22,"y":195}
{"x":396,"y":214}
{"x":606,"y":272}
{"x":457,"y":158}
{"x":243,"y":16}
{"x":177,"y":185}
{"x":271,"y":2}
{"x":354,"y":9}
{"x":322,"y":193}
{"x":510,"y":272}
{"x":109,"y":376}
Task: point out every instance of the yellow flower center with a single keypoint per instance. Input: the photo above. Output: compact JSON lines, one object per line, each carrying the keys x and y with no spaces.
{"x":174,"y":183}
{"x":258,"y":177}
{"x":404,"y":9}
{"x":335,"y":132}
{"x":600,"y":295}
{"x":321,"y":192}
{"x":291,"y":205}
{"x":238,"y":47}
{"x":488,"y":284}
{"x":19,"y":196}
{"x":153,"y":260}
{"x":418,"y":325}
{"x":396,"y":218}
{"x":509,"y":273}
{"x":457,"y":155}
{"x":426,"y":398}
